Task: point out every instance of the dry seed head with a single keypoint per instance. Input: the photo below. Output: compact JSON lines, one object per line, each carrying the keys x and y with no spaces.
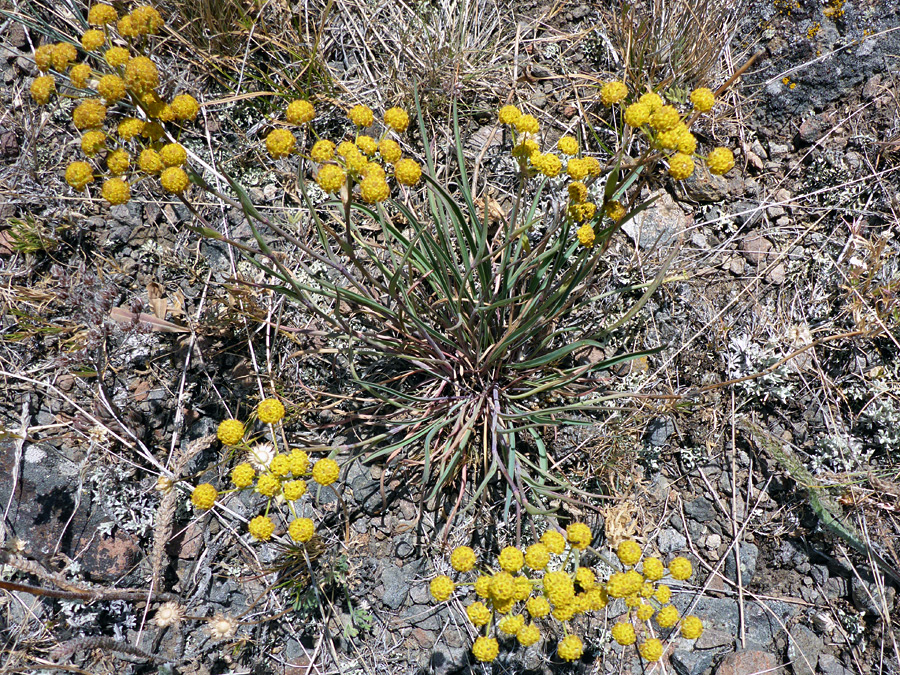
{"x":222,"y":627}
{"x":169,"y":614}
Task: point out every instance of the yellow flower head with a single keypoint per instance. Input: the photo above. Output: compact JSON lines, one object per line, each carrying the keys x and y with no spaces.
{"x":269,"y":410}
{"x":43,"y":57}
{"x":593,"y":166}
{"x":145,"y":20}
{"x":597,"y":598}
{"x":720,"y":161}
{"x":637,"y":114}
{"x":478,"y":613}
{"x":691,"y":628}
{"x":586,"y":236}
{"x":300,"y":112}
{"x":523,"y":588}
{"x":280,"y":465}
{"x":117,"y":56}
{"x":442,"y":588}
{"x":502,"y":587}
{"x":374,"y":189}
{"x":537,"y":556}
{"x":554,"y":541}
{"x":325,"y":471}
{"x":242,"y":475}
{"x":547,"y":163}
{"x":79,"y":75}
{"x":93,"y":142}
{"x":407,"y":172}
{"x":585,"y":578}
{"x":613,"y":92}
{"x":579,"y":535}
{"x":322,"y":151}
{"x":116,"y":191}
{"x":577,"y":169}
{"x":528,"y":635}
{"x":483,"y":586}
{"x":565,"y":611}
{"x":204,"y":496}
{"x":294,"y":489}
{"x":301,"y":529}
{"x":125,"y":26}
{"x":511,"y":624}
{"x":390,"y":150}
{"x":623,"y":633}
{"x":79,"y":174}
{"x":462,"y":559}
{"x":299,"y":462}
{"x":570,"y":648}
{"x":361,"y":116}
{"x":230,"y":432}
{"x":567,"y":145}
{"x":153,"y":131}
{"x":680,"y":568}
{"x":559,"y":588}
{"x":174,"y":180}
{"x":117,"y":162}
{"x":525,"y":149}
{"x":509,"y":114}
{"x":664,"y":118}
{"x":261,"y":528}
{"x":92,"y":39}
{"x":396,"y":119}
{"x":615,"y":211}
{"x":102,"y":15}
{"x":653,"y":569}
{"x":185,"y":107}
{"x":111,"y":88}
{"x":130,"y":127}
{"x":538,"y":607}
{"x":644,"y":612}
{"x":663,"y":594}
{"x":652,"y":100}
{"x":280,"y":143}
{"x":485,"y":649}
{"x":651,"y":649}
{"x":527,"y":124}
{"x":511,"y":559}
{"x":703,"y":99}
{"x":687,"y":143}
{"x":367,"y":144}
{"x":667,"y":616}
{"x":681,"y":166}
{"x":268,"y":485}
{"x":629,"y":552}
{"x":330,"y":178}
{"x":668,"y":140}
{"x":42,"y":89}
{"x":88,"y":114}
{"x":141,"y":75}
{"x":63,"y":54}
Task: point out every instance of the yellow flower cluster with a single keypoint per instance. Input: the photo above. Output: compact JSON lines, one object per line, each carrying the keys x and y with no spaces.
{"x":522,"y":578}
{"x":645,"y":598}
{"x":123,"y":77}
{"x":666,"y":128}
{"x":532,"y":162}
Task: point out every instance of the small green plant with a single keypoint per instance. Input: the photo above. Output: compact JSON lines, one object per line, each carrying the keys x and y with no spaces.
{"x":524,"y":593}
{"x":29,"y":235}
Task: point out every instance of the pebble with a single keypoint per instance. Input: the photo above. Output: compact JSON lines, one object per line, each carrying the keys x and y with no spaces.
{"x":803,"y":650}
{"x":691,"y":662}
{"x":670,"y":541}
{"x":701,"y":509}
{"x":396,"y":586}
{"x":749,"y":555}
{"x":749,"y":663}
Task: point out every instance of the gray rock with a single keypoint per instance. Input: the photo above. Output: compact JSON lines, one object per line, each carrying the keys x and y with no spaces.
{"x":829,"y":665}
{"x":670,"y":540}
{"x":701,"y":509}
{"x":867,"y":596}
{"x":702,"y":186}
{"x":691,"y":663}
{"x":836,"y":588}
{"x":722,"y":614}
{"x":750,"y":662}
{"x":749,"y":554}
{"x":658,"y":225}
{"x":803,"y":650}
{"x":756,"y":248}
{"x":396,"y":586}
{"x":367,"y":493}
{"x":712,"y":638}
{"x":445,"y":659}
{"x":778,"y":149}
{"x":659,"y":430}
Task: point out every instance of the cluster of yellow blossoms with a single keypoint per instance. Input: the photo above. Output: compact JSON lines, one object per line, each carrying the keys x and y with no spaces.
{"x":667,"y":129}
{"x":364,"y":161}
{"x":279,"y":477}
{"x":547,"y":578}
{"x":128,"y":84}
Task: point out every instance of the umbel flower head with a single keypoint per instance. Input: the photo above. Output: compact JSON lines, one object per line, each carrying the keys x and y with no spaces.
{"x":270,"y":411}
